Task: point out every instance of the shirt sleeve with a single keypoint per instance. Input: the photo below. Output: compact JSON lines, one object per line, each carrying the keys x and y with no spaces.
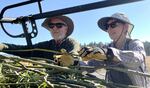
{"x":12,"y":47}
{"x":133,"y":57}
{"x":75,"y":46}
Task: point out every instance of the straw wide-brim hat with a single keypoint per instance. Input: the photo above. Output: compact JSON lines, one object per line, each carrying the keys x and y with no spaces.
{"x":66,"y":19}
{"x":102,"y":23}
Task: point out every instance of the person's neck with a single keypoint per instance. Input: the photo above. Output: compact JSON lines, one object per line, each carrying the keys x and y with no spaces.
{"x":58,"y":41}
{"x":120,"y":43}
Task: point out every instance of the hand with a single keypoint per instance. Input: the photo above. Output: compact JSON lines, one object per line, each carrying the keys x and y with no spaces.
{"x":65,"y":59}
{"x":3,"y":46}
{"x":88,"y":53}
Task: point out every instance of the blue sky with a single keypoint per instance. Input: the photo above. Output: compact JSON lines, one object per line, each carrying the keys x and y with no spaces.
{"x":86,"y":29}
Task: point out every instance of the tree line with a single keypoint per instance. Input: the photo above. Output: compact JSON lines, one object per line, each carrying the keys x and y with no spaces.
{"x":100,"y":44}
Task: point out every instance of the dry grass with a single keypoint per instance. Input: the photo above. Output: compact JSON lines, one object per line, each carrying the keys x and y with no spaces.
{"x":148,"y":62}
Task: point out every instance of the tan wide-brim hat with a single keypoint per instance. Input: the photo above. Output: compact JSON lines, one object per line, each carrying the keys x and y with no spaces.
{"x":66,"y":19}
{"x":102,"y":23}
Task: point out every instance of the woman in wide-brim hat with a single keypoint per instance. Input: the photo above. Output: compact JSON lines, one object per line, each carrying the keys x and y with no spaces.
{"x":123,"y":52}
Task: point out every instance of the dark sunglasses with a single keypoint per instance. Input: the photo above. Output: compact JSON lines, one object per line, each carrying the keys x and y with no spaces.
{"x":58,"y":25}
{"x":113,"y":24}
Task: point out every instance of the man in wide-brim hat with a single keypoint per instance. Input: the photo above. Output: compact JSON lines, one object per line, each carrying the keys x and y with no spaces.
{"x":60,"y":27}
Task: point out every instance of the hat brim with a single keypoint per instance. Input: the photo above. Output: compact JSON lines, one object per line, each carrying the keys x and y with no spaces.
{"x":102,"y":23}
{"x":66,"y":19}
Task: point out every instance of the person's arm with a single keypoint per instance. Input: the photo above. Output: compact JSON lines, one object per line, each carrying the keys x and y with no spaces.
{"x":12,"y":49}
{"x":133,"y":57}
{"x":25,"y":51}
{"x":74,"y":46}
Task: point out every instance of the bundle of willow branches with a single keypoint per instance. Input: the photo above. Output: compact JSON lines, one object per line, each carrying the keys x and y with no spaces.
{"x":17,"y":72}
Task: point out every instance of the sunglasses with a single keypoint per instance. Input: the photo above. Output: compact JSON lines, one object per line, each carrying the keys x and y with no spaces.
{"x":58,"y":25}
{"x":113,"y":24}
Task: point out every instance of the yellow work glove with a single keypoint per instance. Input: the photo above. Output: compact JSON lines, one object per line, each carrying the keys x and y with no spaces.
{"x":88,"y":53}
{"x":3,"y":46}
{"x":65,"y":59}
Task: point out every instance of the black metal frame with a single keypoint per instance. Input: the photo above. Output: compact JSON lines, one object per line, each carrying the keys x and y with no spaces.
{"x":75,"y":9}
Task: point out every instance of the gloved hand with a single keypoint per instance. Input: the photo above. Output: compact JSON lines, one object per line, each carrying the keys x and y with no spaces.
{"x":65,"y":59}
{"x":2,"y":46}
{"x":88,"y":53}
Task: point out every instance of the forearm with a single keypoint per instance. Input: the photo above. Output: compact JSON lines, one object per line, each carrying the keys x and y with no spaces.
{"x":75,"y":48}
{"x":13,"y":49}
{"x":130,"y":59}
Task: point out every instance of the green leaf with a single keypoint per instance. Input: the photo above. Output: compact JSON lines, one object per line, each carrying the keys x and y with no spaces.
{"x":43,"y":85}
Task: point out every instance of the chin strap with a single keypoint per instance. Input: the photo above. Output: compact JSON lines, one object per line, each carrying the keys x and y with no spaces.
{"x":118,"y":38}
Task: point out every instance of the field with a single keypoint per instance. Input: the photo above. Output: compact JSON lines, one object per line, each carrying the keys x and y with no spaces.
{"x":148,"y":62}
